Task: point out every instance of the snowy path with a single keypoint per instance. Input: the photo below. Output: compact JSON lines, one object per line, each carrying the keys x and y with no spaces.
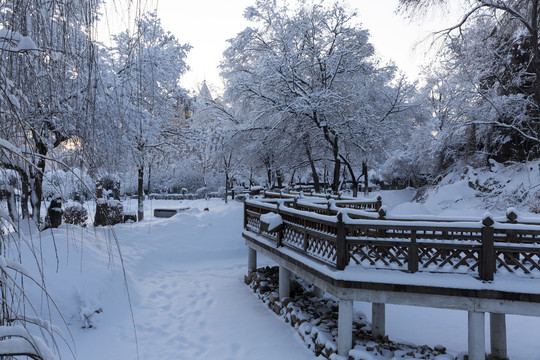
{"x":189,"y":300}
{"x":209,"y":314}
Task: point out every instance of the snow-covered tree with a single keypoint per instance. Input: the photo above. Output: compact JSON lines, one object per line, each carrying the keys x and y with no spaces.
{"x":310,"y":67}
{"x":48,"y":83}
{"x":489,"y":80}
{"x":148,"y":65}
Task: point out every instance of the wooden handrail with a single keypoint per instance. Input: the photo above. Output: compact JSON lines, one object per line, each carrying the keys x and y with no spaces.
{"x":336,"y":239}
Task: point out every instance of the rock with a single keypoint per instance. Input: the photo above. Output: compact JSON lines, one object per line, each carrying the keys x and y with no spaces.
{"x":274,"y":296}
{"x":286,"y":301}
{"x":441,"y":349}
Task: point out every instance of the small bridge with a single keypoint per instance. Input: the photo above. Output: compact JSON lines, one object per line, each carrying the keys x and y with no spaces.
{"x":354,"y":250}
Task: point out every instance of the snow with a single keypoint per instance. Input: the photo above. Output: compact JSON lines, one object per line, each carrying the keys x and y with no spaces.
{"x":273,"y":220}
{"x":407,"y":208}
{"x":185,"y":280}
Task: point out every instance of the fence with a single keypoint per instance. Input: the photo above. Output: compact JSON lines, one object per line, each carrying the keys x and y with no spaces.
{"x":338,"y":236}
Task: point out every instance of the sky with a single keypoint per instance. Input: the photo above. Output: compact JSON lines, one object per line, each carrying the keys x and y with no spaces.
{"x":207,"y":24}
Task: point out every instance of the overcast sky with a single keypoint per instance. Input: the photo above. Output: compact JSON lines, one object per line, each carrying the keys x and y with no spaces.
{"x":207,"y":24}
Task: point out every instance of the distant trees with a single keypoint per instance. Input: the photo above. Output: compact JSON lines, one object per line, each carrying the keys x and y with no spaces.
{"x":310,"y":78}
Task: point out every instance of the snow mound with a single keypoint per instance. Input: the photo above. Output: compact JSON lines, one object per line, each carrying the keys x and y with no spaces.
{"x":410,"y":208}
{"x":492,"y":188}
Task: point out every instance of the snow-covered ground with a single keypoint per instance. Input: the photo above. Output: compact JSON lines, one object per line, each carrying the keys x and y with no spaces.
{"x":189,"y":301}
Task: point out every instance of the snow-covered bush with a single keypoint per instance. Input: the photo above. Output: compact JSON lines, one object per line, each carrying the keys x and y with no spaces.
{"x":202,"y":192}
{"x":75,"y":214}
{"x":108,"y":212}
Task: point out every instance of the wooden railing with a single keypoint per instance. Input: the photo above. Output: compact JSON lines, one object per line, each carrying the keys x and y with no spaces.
{"x":336,"y":239}
{"x":324,"y":204}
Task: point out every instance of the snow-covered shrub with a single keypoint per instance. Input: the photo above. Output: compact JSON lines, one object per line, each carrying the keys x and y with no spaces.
{"x":75,"y":214}
{"x":111,"y":186}
{"x":202,"y":192}
{"x":54,"y":213}
{"x":108,"y":212}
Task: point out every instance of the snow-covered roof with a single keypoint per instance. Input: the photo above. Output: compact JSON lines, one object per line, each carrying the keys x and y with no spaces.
{"x":204,"y":93}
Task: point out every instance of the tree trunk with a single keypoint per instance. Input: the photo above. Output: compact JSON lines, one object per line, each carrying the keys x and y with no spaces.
{"x":536,"y":50}
{"x":337,"y":170}
{"x":226,"y":185}
{"x":140,"y":194}
{"x":25,"y":196}
{"x":279,"y":179}
{"x":149,"y":179}
{"x":12,"y":204}
{"x":291,"y":183}
{"x":354,"y":180}
{"x":268,"y":173}
{"x":337,"y":161}
{"x":36,"y":195}
{"x":366,"y":180}
{"x":315,"y":176}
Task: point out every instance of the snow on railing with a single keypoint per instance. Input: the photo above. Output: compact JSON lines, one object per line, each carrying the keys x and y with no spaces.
{"x":341,"y":236}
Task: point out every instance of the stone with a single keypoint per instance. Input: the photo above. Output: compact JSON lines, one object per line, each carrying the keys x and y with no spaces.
{"x":441,"y":349}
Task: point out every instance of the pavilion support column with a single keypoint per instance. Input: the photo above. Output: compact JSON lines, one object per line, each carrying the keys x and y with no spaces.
{"x":284,"y":282}
{"x":477,"y":336}
{"x":378,"y":319}
{"x":345,"y":322}
{"x":252,"y":260}
{"x":497,"y":332}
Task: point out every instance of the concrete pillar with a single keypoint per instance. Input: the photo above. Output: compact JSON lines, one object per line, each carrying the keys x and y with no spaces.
{"x":345,"y":321}
{"x":284,"y":282}
{"x":378,"y":319}
{"x":497,"y":332}
{"x":252,"y":260}
{"x":318,"y":292}
{"x":477,"y":336}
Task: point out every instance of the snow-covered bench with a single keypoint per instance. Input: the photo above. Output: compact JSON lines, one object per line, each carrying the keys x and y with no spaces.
{"x":167,"y":213}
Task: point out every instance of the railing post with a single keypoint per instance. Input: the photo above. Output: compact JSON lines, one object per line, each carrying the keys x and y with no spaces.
{"x":260,"y":223}
{"x":279,"y":235}
{"x":342,"y":258}
{"x":379,"y":203}
{"x":511,"y":216}
{"x":413,"y":253}
{"x":305,"y":243}
{"x":382,"y":216}
{"x":382,"y":213}
{"x":245,"y":216}
{"x":487,"y":253}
